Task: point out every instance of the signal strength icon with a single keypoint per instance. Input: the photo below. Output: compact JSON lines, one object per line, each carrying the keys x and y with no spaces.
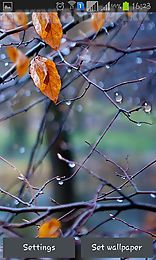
{"x":107,"y":7}
{"x":72,"y":4}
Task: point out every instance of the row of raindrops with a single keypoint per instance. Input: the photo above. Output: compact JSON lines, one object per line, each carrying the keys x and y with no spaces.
{"x":147,"y":107}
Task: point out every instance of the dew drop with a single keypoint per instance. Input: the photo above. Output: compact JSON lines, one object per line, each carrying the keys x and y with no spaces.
{"x":112,"y":216}
{"x":76,"y":238}
{"x":71,"y":164}
{"x":153,"y":196}
{"x":79,"y":108}
{"x":3,"y":56}
{"x":107,"y":67}
{"x":138,"y":124}
{"x":72,"y":44}
{"x":118,"y":97}
{"x":68,"y":103}
{"x":16,"y":202}
{"x":139,"y":60}
{"x":66,"y":51}
{"x":60,"y":183}
{"x":6,"y":64}
{"x":22,"y":150}
{"x":119,"y":200}
{"x":58,"y":178}
{"x":69,"y":70}
{"x":147,"y":107}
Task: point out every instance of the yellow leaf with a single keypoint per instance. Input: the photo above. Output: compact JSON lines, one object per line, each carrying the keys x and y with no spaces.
{"x":19,"y":59}
{"x":49,"y":28}
{"x":98,"y":20}
{"x":45,"y":76}
{"x":50,"y":229}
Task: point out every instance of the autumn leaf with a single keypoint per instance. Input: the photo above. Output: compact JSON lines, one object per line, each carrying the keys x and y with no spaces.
{"x":98,"y":20}
{"x":49,"y":28}
{"x":150,"y":222}
{"x":21,"y":18}
{"x":19,"y":59}
{"x":50,"y":229}
{"x":9,"y":21}
{"x":45,"y":76}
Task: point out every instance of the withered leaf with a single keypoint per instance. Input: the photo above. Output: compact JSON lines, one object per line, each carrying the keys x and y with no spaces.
{"x":50,"y":229}
{"x":98,"y":20}
{"x":9,"y":21}
{"x":19,"y":59}
{"x":49,"y":28}
{"x":45,"y":76}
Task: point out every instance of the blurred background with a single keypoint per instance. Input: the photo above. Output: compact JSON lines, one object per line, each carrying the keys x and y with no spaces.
{"x":129,"y":144}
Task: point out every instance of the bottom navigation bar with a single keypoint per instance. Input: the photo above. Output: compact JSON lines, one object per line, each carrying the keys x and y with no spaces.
{"x":65,"y":247}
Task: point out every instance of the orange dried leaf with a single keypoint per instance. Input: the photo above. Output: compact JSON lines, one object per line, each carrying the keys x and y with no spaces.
{"x":45,"y":76}
{"x":49,"y":28}
{"x":98,"y":20}
{"x":20,"y":18}
{"x":129,"y":14}
{"x":19,"y":59}
{"x":50,"y":229}
{"x":12,"y":53}
{"x":150,"y":222}
{"x":9,"y":21}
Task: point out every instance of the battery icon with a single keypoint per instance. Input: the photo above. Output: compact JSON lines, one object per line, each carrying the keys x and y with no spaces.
{"x":125,"y":6}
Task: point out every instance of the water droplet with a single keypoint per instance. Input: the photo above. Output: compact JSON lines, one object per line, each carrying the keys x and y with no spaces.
{"x":79,"y":108}
{"x":69,"y":70}
{"x":66,"y":51}
{"x":139,"y":60}
{"x":119,"y":200}
{"x":3,"y":56}
{"x":118,"y":97}
{"x":76,"y":238}
{"x":6,"y":64}
{"x":2,"y":97}
{"x":58,"y":178}
{"x":107,"y":67}
{"x":59,"y":156}
{"x":138,"y":124}
{"x":153,"y":196}
{"x":112,"y":216}
{"x":68,"y":103}
{"x":27,"y":93}
{"x":101,"y":84}
{"x":150,"y":52}
{"x":60,"y":183}
{"x":150,"y":26}
{"x":63,"y":40}
{"x":147,"y":107}
{"x":72,"y":44}
{"x":21,"y":177}
{"x":119,"y":189}
{"x":71,"y":164}
{"x":16,"y":202}
{"x":22,"y":150}
{"x":86,"y":58}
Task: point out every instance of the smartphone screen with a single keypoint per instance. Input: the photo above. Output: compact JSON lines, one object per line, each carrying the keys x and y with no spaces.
{"x":77,"y":130}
